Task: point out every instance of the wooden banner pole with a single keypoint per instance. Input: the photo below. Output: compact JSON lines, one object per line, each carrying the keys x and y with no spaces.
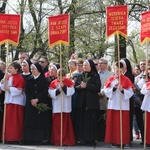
{"x":61,"y":121}
{"x":4,"y":115}
{"x":120,"y":93}
{"x":145,"y":114}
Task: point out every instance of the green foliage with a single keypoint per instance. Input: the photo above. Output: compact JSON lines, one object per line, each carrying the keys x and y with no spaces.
{"x":87,"y":28}
{"x":86,"y":78}
{"x":41,"y":107}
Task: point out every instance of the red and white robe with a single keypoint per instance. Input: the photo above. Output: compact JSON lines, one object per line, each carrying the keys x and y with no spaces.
{"x":15,"y":102}
{"x":68,"y":137}
{"x":118,"y":101}
{"x":146,"y":107}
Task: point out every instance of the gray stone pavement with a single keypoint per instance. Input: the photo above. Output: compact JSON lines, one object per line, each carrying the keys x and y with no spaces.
{"x":99,"y":146}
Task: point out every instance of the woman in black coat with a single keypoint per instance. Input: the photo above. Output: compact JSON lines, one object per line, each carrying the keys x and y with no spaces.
{"x":87,"y":105}
{"x":128,"y":73}
{"x":37,"y":124}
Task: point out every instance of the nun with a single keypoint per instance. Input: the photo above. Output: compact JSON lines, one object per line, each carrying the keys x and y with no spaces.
{"x":127,"y":71}
{"x":25,"y":66}
{"x":87,"y":105}
{"x":37,"y":123}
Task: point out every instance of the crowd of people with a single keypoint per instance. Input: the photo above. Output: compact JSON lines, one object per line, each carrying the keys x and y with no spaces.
{"x":44,"y":104}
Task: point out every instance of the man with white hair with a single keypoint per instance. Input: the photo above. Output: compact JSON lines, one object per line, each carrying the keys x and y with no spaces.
{"x":104,"y":75}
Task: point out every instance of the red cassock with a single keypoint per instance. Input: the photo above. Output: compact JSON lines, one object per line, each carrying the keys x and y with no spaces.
{"x":147,"y":127}
{"x":14,"y":114}
{"x":68,"y":137}
{"x":14,"y":122}
{"x":148,"y":119}
{"x":113,"y":127}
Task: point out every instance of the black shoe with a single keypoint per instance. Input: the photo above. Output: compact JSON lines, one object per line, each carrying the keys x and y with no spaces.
{"x":114,"y":146}
{"x":148,"y":146}
{"x":45,"y":142}
{"x":12,"y":142}
{"x":90,"y":143}
{"x":80,"y":142}
{"x":21,"y":142}
{"x":126,"y":146}
{"x":141,"y":143}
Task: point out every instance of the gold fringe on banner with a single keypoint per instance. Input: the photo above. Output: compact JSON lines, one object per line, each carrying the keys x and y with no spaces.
{"x":147,"y":39}
{"x":59,"y":42}
{"x":9,"y":42}
{"x":118,"y":32}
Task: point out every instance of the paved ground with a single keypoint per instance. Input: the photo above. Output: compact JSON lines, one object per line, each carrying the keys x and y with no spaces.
{"x":99,"y":146}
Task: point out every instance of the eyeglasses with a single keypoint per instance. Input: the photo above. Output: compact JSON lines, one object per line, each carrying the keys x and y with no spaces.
{"x":102,"y":63}
{"x":96,"y":64}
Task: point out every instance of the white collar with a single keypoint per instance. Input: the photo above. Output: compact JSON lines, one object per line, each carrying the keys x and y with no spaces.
{"x":35,"y":77}
{"x":24,"y":73}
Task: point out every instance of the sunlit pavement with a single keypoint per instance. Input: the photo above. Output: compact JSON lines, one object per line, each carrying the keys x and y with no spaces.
{"x":99,"y":146}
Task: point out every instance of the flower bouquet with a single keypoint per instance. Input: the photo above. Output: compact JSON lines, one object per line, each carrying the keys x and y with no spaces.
{"x":41,"y":107}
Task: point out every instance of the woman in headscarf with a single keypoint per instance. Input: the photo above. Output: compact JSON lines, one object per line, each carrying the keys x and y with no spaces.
{"x":25,"y":66}
{"x":37,"y":123}
{"x":13,"y":85}
{"x":87,"y":105}
{"x":127,"y":71}
{"x":50,"y":76}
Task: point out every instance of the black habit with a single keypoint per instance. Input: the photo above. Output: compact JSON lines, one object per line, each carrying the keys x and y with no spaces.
{"x":37,"y":125}
{"x":87,"y":106}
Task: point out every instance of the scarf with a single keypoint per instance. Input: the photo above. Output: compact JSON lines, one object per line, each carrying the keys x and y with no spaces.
{"x":67,"y":82}
{"x":17,"y":81}
{"x":125,"y":82}
{"x":148,"y":85}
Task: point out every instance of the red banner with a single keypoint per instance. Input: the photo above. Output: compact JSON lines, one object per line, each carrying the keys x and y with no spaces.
{"x":117,"y":20}
{"x":9,"y":29}
{"x":59,"y":29}
{"x":145,"y":27}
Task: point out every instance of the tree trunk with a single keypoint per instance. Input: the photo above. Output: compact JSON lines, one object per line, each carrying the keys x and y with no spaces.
{"x":3,"y":49}
{"x":72,"y":10}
